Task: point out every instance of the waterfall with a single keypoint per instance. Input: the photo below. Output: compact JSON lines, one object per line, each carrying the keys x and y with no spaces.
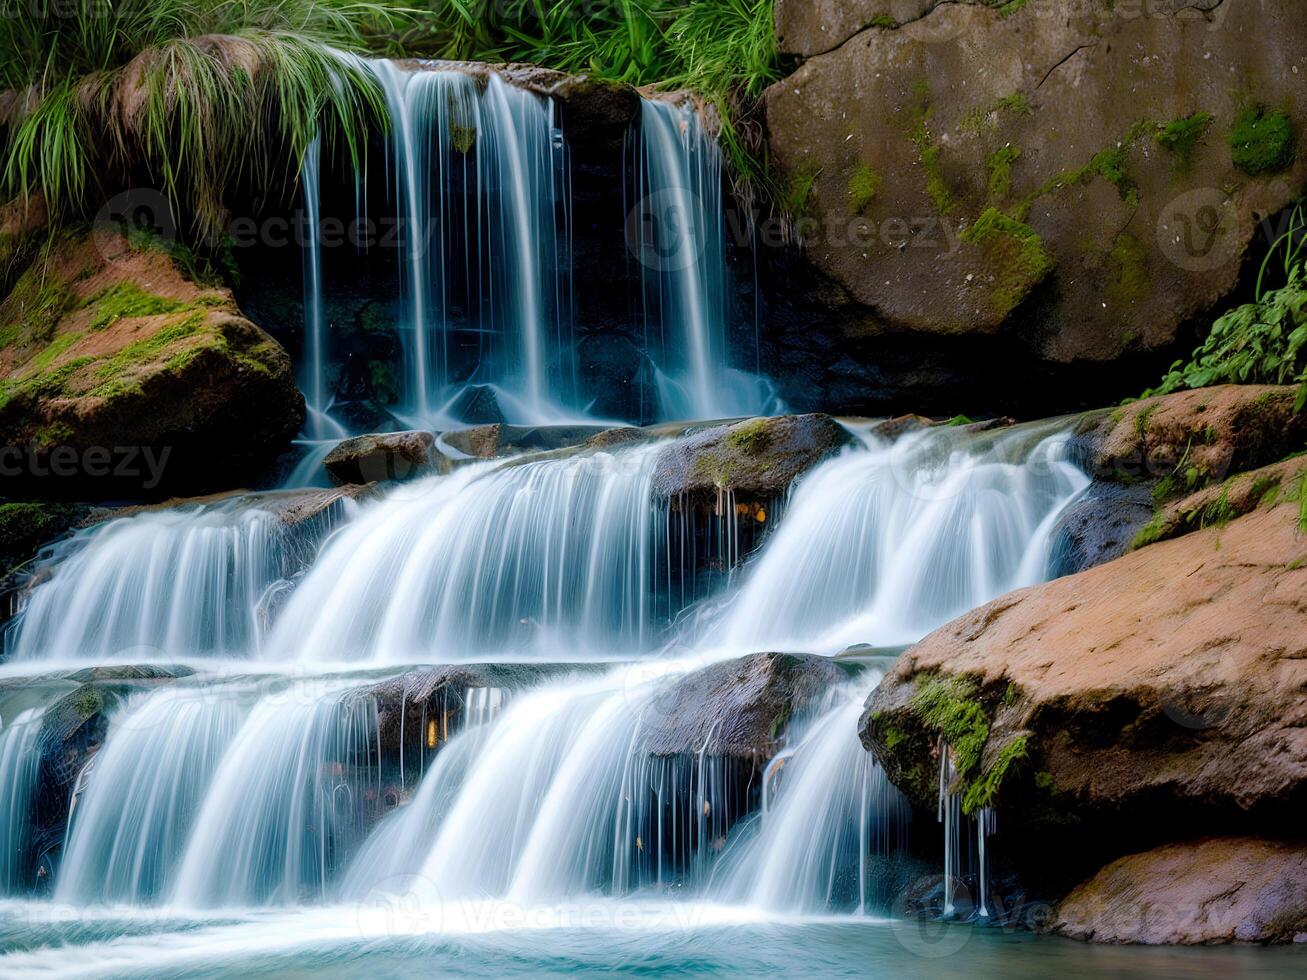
{"x":279,"y":811}
{"x":554,"y":558}
{"x":832,"y":812}
{"x":679,"y":239}
{"x":140,"y":803}
{"x":166,"y":584}
{"x":882,"y":545}
{"x":19,"y":753}
{"x":477,"y":176}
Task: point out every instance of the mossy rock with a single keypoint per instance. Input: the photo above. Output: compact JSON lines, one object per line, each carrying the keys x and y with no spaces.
{"x":108,"y":349}
{"x":758,"y":457}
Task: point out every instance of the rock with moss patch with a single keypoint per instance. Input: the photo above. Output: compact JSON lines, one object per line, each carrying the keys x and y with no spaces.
{"x":1158,"y":694}
{"x":758,"y":458}
{"x":1062,"y":175}
{"x":121,"y":376}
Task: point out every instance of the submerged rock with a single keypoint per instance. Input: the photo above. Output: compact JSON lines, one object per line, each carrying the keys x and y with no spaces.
{"x":496,"y":441}
{"x":756,"y":458}
{"x":382,"y":457}
{"x":1156,"y":695}
{"x":1219,"y":890}
{"x":122,"y":377}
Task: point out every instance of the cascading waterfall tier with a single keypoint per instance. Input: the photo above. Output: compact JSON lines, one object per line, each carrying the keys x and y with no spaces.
{"x":166,"y":585}
{"x":880,"y":546}
{"x":553,"y":559}
{"x":19,"y":756}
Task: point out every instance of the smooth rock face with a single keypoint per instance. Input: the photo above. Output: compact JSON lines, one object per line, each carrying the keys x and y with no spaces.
{"x":737,"y":708}
{"x":118,"y":375}
{"x":1161,"y":692}
{"x":905,"y":139}
{"x":377,"y":458}
{"x":1221,"y":890}
{"x":758,"y":457}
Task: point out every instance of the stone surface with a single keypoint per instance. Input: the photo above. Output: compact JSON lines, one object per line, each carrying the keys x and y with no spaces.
{"x":757,"y":457}
{"x":121,"y":376}
{"x":1220,"y":890}
{"x":737,"y":708}
{"x":381,"y":457}
{"x":1161,"y":691}
{"x":1213,"y":432}
{"x":898,"y":142}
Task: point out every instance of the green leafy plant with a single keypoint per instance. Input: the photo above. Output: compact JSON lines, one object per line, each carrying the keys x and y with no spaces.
{"x":1263,"y":342}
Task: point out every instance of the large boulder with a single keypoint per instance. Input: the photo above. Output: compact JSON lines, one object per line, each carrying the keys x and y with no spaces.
{"x":1220,"y":890}
{"x":1083,"y":176}
{"x":119,"y":376}
{"x":757,"y":458}
{"x":1154,"y":696}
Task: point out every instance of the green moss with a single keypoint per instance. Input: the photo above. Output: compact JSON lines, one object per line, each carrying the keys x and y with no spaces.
{"x":884,"y":22}
{"x":1006,"y":8}
{"x":26,"y":526}
{"x":950,"y":707}
{"x":1127,"y":270}
{"x":749,"y":437}
{"x":1141,"y":419}
{"x":1017,"y":250}
{"x":978,"y":119}
{"x":894,"y":737}
{"x":1262,"y":141}
{"x":863,"y":185}
{"x":1150,"y":533}
{"x":999,"y":165}
{"x":1181,"y":137}
{"x":984,"y":791}
{"x":928,"y":151}
{"x":796,"y":195}
{"x":126,"y":300}
{"x":1218,"y":512}
{"x":86,"y":701}
{"x":960,"y":420}
{"x":38,"y":301}
{"x":1044,"y":780}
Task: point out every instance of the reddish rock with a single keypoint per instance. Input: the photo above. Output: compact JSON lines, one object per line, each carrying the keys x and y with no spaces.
{"x":1220,"y":890}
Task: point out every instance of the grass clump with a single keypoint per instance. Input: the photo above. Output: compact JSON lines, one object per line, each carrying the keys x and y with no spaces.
{"x":206,"y":95}
{"x":1262,"y":141}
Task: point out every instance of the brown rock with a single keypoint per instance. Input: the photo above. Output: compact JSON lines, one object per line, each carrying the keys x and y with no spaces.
{"x":108,"y":348}
{"x":1213,"y":432}
{"x":380,"y":457}
{"x":1220,"y":890}
{"x":1165,"y":687}
{"x":897,"y":142}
